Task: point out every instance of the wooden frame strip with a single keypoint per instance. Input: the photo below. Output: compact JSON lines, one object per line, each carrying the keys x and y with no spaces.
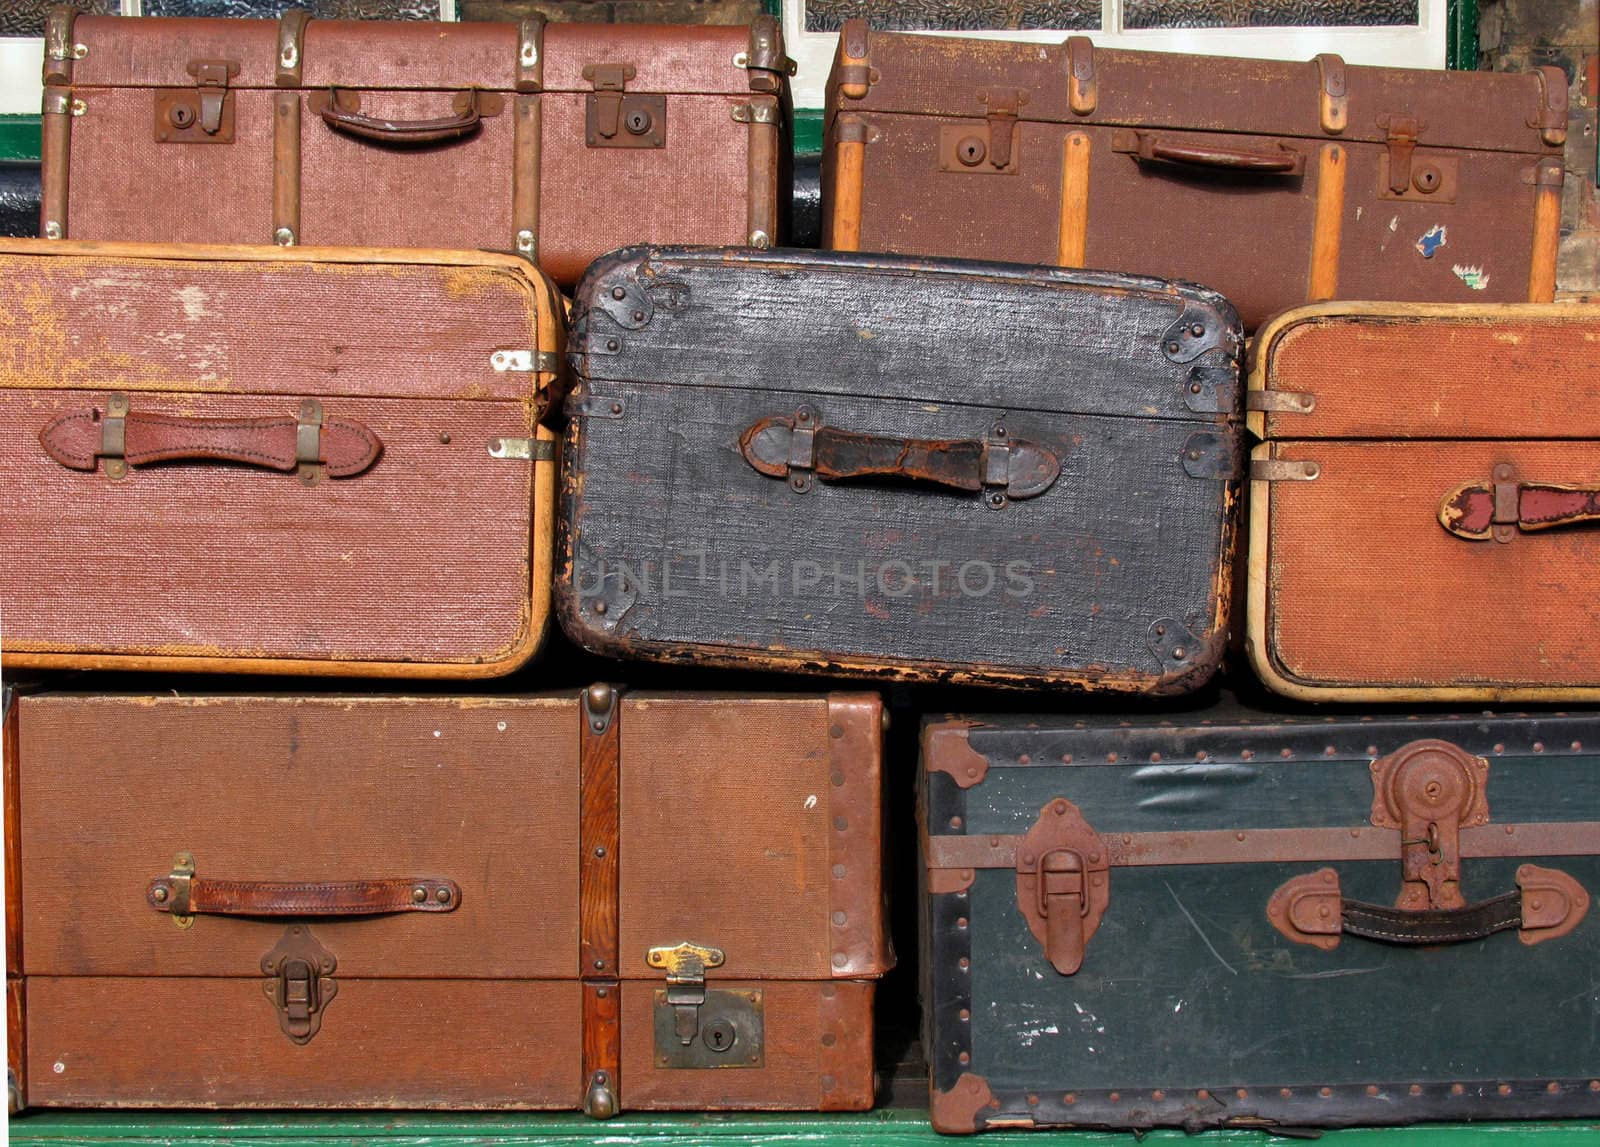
{"x":1329,"y":222}
{"x":1073,"y":239}
{"x":599,"y":840}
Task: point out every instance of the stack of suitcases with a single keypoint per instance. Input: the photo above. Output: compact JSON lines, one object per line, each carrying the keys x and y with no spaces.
{"x":291,"y":388}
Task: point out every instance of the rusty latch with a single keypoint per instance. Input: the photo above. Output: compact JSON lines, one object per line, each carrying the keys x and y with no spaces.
{"x":202,"y":115}
{"x":685,"y":965}
{"x":1402,"y":139}
{"x":971,"y":149}
{"x":1063,"y":883}
{"x":1430,"y":790}
{"x":300,"y":982}
{"x":616,"y":118}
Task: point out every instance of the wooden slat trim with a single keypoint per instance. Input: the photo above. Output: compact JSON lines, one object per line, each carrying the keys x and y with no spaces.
{"x":599,"y":840}
{"x":843,"y":216}
{"x":761,"y":185}
{"x":857,"y":945}
{"x":55,"y":153}
{"x":1073,"y":239}
{"x":1548,"y":180}
{"x":1332,"y":164}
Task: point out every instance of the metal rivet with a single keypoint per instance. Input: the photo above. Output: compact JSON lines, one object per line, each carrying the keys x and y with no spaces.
{"x":1179,"y":653}
{"x":442,"y":896}
{"x":600,"y":850}
{"x":619,"y":293}
{"x":1504,"y":1089}
{"x":956,"y":822}
{"x":1197,"y":329}
{"x":612,"y":344}
{"x":52,"y":229}
{"x":1372,"y":1089}
{"x":616,"y":408}
{"x":599,"y":964}
{"x":760,"y":239}
{"x":838,"y":872}
{"x":1173,"y":348}
{"x":1415,"y":1089}
{"x":839,"y":918}
{"x":79,"y":107}
{"x":638,"y":316}
{"x":525,"y":242}
{"x":965,"y":1057}
{"x":283,"y":237}
{"x":1457,"y":1089}
{"x":444,"y":436}
{"x":602,"y":993}
{"x":840,"y":959}
{"x":419,"y":894}
{"x":58,"y":1067}
{"x":599,"y":607}
{"x":837,"y":779}
{"x":160,"y":894}
{"x":841,"y":823}
{"x":1115,"y":1097}
{"x":79,"y":51}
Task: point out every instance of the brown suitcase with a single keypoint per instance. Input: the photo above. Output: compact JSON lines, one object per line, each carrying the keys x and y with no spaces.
{"x":260,"y":460}
{"x":557,"y":143}
{"x":1274,"y":183}
{"x":464,"y":902}
{"x":1411,"y":509}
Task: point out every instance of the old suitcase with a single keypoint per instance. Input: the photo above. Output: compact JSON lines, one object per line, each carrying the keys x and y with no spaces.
{"x":484,"y":902}
{"x":557,"y":143}
{"x":1412,"y":510}
{"x":915,"y":469}
{"x":1229,"y":919}
{"x":1275,"y":183}
{"x":274,"y":461}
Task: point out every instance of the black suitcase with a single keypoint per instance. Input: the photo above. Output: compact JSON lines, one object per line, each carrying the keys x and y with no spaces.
{"x":928,"y":470}
{"x":1241,"y":920}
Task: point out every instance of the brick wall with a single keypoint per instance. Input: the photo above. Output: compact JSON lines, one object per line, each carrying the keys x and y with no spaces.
{"x":1517,"y":34}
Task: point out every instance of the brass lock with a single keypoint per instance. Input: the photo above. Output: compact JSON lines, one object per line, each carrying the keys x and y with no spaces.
{"x":300,"y":983}
{"x":700,"y":1027}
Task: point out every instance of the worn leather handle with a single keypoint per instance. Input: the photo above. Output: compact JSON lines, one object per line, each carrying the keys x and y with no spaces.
{"x":187,"y":896}
{"x":1310,"y":909}
{"x":797,"y":447}
{"x":1479,"y":511}
{"x":340,"y":110}
{"x":342,"y":446}
{"x":1148,"y":147}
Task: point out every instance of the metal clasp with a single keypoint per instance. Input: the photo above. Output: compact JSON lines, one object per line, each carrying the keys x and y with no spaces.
{"x":181,"y":879}
{"x":963,"y":148}
{"x":202,"y":115}
{"x":300,"y":982}
{"x":113,"y":439}
{"x":685,"y":965}
{"x":616,"y":119}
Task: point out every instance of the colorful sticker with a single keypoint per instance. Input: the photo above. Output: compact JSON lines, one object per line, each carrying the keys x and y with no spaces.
{"x":1430,"y":243}
{"x":1475,"y":277}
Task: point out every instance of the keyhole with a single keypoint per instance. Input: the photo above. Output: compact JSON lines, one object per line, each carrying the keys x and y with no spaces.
{"x":638,"y":121}
{"x":970,"y":150}
{"x":1427,"y":179}
{"x":181,"y":115}
{"x":718,"y":1035}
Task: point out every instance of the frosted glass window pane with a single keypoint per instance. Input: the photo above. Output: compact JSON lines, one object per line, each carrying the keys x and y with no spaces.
{"x":953,"y":15}
{"x":1267,"y":13}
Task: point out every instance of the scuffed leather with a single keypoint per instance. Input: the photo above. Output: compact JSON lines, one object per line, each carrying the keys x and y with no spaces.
{"x":348,"y":447}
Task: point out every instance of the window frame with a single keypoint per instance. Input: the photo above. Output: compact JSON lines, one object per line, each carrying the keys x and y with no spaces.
{"x":1424,"y":45}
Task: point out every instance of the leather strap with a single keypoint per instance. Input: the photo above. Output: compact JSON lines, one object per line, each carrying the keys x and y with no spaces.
{"x":1309,"y":909}
{"x":340,"y":110}
{"x":344,"y":446}
{"x":197,"y":895}
{"x":796,"y":446}
{"x":1478,"y":511}
{"x":1432,"y":925}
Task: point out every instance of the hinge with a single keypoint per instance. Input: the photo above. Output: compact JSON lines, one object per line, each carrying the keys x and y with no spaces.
{"x":763,"y":112}
{"x":291,"y":45}
{"x":764,"y":58}
{"x":1280,"y":401}
{"x":308,"y":443}
{"x":181,"y":882}
{"x":525,"y":361}
{"x":1334,"y":98}
{"x":530,"y":54}
{"x":300,"y":982}
{"x":616,"y":118}
{"x":113,"y":449}
{"x":853,"y":66}
{"x":523,"y":449}
{"x":1277,"y":470}
{"x":1083,"y":90}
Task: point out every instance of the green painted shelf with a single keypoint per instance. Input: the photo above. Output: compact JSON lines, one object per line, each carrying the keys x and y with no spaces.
{"x":890,"y":1128}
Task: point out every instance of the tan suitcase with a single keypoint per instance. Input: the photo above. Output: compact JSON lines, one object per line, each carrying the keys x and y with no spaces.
{"x":1422,"y":510}
{"x":449,"y":902}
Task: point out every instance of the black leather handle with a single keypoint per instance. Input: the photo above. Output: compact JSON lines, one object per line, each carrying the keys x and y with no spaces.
{"x":1430,"y":926}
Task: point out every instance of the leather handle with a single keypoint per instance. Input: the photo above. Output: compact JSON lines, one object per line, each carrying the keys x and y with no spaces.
{"x":1479,"y":511}
{"x":797,"y":447}
{"x":342,"y":446}
{"x":340,"y":110}
{"x":1152,"y":148}
{"x":1310,"y":909}
{"x":188,"y":896}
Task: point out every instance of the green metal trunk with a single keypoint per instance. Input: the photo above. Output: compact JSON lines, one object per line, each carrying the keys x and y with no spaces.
{"x":1257,"y":921}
